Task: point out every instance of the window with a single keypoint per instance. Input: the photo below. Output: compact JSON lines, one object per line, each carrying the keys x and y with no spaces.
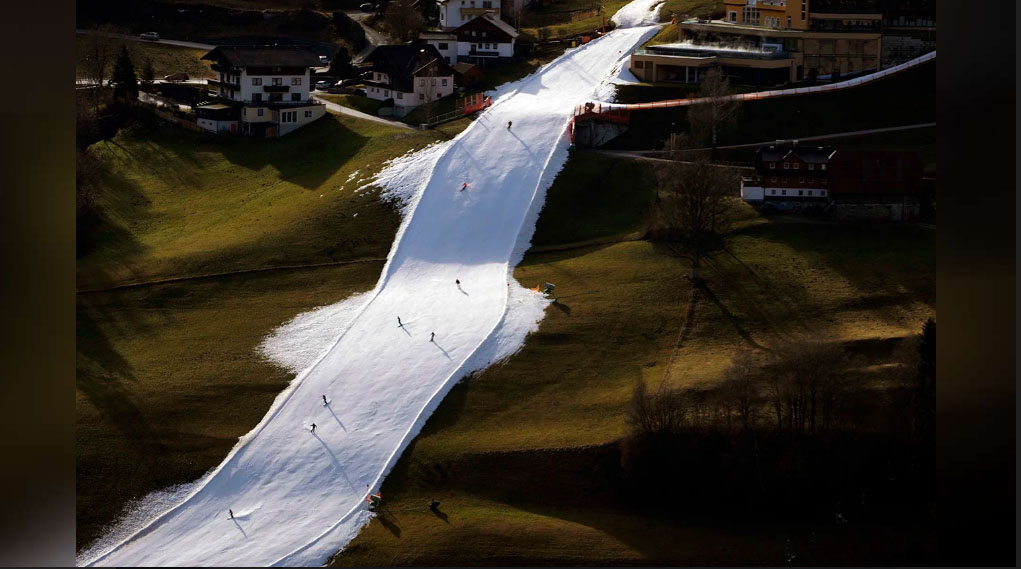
{"x":421,"y":82}
{"x":772,"y":165}
{"x":487,"y":4}
{"x":638,"y":64}
{"x":278,"y":81}
{"x":443,"y":83}
{"x":801,"y":192}
{"x":400,"y":95}
{"x":788,"y":21}
{"x":786,"y":165}
{"x":732,"y":16}
{"x":811,"y":166}
{"x":473,"y":31}
{"x":386,"y":94}
{"x":822,"y":192}
{"x":823,"y":166}
{"x":308,"y":114}
{"x":244,"y":111}
{"x":421,"y":96}
{"x":295,"y":96}
{"x":784,"y":192}
{"x":796,"y":165}
{"x":432,"y":81}
{"x":809,"y":192}
{"x":444,"y":45}
{"x":260,"y":112}
{"x":256,"y":81}
{"x":773,"y":192}
{"x":257,"y":97}
{"x":295,"y":80}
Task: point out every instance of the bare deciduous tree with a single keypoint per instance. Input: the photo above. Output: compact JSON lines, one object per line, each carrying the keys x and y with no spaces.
{"x":96,"y":57}
{"x":718,"y":112}
{"x":692,"y":205}
{"x":403,"y":19}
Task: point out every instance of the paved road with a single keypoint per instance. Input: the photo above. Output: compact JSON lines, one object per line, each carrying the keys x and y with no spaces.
{"x":180,"y":43}
{"x":372,"y":36}
{"x":358,"y":114}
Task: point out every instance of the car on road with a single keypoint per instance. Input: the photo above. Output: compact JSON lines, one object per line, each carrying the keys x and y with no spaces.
{"x":175,"y":77}
{"x":324,"y":60}
{"x":366,"y":7}
{"x":150,"y":36}
{"x":323,"y":85}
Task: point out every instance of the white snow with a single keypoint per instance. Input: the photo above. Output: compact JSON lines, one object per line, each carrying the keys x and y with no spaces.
{"x":298,"y":497}
{"x":638,"y":13}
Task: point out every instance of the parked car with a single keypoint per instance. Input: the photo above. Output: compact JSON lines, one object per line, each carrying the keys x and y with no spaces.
{"x":324,"y":60}
{"x":323,"y":85}
{"x":367,"y":7}
{"x":348,"y":82}
{"x":175,"y":77}
{"x":150,"y":36}
{"x":359,"y":92}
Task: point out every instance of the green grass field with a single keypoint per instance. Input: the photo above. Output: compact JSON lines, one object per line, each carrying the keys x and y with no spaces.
{"x":363,"y":104}
{"x":515,"y":453}
{"x":181,"y":204}
{"x":165,"y":59}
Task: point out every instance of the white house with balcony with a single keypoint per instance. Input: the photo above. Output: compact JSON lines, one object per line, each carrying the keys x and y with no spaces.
{"x":481,"y":41}
{"x":265,"y":89}
{"x":409,"y":74}
{"x":456,"y":13}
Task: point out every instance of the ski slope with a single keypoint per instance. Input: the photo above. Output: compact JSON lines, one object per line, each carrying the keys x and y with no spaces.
{"x":298,"y":496}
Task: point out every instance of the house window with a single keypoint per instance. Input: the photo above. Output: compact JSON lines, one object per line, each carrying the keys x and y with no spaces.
{"x":443,"y":83}
{"x":421,"y":82}
{"x":473,"y":33}
{"x":257,"y":97}
{"x":786,"y":165}
{"x":809,"y":192}
{"x":295,"y":96}
{"x":421,"y":96}
{"x":295,"y":80}
{"x":308,"y":114}
{"x":732,"y":16}
{"x":811,"y":166}
{"x":244,"y":111}
{"x":256,"y":81}
{"x":788,"y":22}
{"x":443,"y":46}
{"x":386,"y":94}
{"x":487,"y":4}
{"x":278,"y":80}
{"x":823,"y":166}
{"x":801,"y":192}
{"x":260,"y":112}
{"x":638,"y":64}
{"x":432,"y":81}
{"x":783,"y":192}
{"x":822,"y":192}
{"x":400,"y":95}
{"x":773,"y":192}
{"x":772,"y":165}
{"x":796,"y":165}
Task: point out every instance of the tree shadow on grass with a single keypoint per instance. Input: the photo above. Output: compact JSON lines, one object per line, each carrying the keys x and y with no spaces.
{"x":307,"y":157}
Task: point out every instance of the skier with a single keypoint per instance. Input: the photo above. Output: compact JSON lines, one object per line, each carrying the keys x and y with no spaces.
{"x":231,"y":513}
{"x":464,"y":186}
{"x":457,"y":282}
{"x":431,"y":336}
{"x":434,"y":506}
{"x":324,"y":400}
{"x":313,"y":428}
{"x":508,"y":125}
{"x":399,"y":324}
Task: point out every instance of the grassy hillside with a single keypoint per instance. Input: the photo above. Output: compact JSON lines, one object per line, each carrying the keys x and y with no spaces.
{"x":177,"y":203}
{"x":903,"y":99}
{"x":165,"y":59}
{"x":519,"y":455}
{"x":168,"y":376}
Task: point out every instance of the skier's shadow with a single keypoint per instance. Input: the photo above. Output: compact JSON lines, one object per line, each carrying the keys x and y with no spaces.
{"x":462,"y":290}
{"x":336,"y":418}
{"x":241,"y":529}
{"x":441,"y":349}
{"x":336,"y":462}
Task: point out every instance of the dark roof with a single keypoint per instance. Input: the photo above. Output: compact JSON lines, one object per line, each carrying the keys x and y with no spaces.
{"x":496,"y":29}
{"x":844,"y":7}
{"x":404,"y":62}
{"x":889,"y":172}
{"x":263,"y":56}
{"x":807,"y":154}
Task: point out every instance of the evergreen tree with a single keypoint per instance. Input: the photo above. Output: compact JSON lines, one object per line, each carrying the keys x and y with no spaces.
{"x":124,"y":80}
{"x":340,"y":66}
{"x":148,"y":73}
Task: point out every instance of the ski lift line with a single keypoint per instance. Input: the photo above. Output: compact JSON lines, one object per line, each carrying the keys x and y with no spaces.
{"x":758,"y":95}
